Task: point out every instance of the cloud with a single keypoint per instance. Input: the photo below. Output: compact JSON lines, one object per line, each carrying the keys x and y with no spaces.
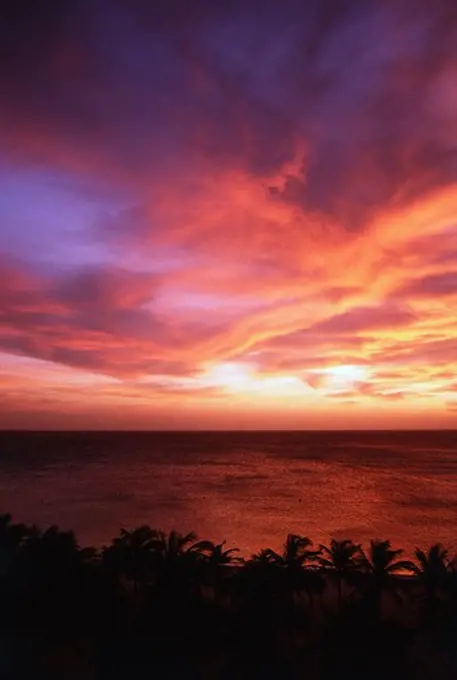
{"x":444,"y":284}
{"x":218,"y":85}
{"x":92,"y":318}
{"x":365,"y":319}
{"x":185,"y":185}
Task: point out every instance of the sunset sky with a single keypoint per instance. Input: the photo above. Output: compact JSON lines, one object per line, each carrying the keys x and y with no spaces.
{"x":231,"y":214}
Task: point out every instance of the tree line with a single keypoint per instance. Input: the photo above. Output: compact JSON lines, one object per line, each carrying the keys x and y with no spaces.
{"x":291,"y":605}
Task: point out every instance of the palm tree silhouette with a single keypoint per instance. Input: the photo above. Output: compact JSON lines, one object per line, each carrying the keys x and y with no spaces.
{"x":12,"y":539}
{"x":215,"y":553}
{"x":434,"y":563}
{"x":14,"y":571}
{"x":294,"y":561}
{"x":341,"y":560}
{"x":176,"y":564}
{"x":381,"y":566}
{"x":12,"y":535}
{"x":57,"y":576}
{"x":433,"y":572}
{"x":55,"y":552}
{"x":171,"y":548}
{"x":131,"y":556}
{"x":295,"y":553}
{"x":216,"y":562}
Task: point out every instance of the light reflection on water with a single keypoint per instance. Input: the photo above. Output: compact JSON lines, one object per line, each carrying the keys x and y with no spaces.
{"x":248,"y":488}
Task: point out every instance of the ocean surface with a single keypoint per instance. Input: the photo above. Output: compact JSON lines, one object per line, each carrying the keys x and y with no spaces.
{"x":250,"y":488}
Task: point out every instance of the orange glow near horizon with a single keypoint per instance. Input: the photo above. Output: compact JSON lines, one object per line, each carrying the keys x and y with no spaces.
{"x":327,"y":350}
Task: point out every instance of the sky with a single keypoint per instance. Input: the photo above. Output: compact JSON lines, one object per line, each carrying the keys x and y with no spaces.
{"x":232,"y":214}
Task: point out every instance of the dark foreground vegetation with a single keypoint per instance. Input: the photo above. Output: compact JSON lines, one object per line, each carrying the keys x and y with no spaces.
{"x":156,"y":605}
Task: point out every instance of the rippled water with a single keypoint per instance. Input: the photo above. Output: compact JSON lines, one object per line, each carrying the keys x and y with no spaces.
{"x":249,"y":488}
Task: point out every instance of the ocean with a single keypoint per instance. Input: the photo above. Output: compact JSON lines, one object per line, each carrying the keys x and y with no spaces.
{"x":248,"y":488}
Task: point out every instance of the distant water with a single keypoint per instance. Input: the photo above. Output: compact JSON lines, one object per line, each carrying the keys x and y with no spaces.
{"x":250,"y":488}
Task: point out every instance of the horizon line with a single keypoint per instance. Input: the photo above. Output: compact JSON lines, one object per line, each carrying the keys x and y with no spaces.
{"x":220,"y":430}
